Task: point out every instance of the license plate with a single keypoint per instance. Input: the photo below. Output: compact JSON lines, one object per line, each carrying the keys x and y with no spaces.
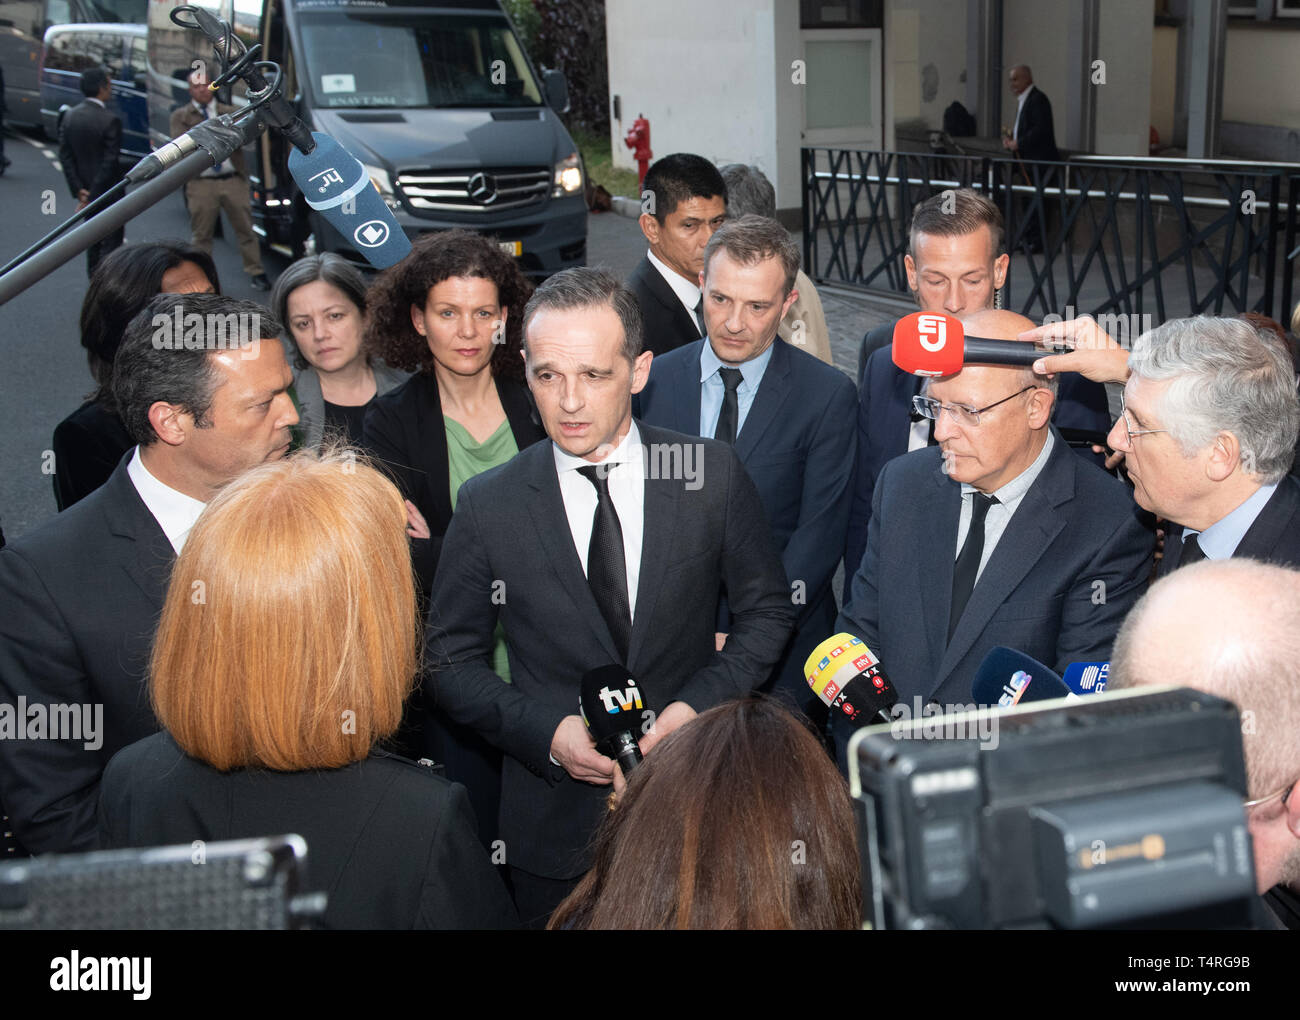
{"x":515,"y":248}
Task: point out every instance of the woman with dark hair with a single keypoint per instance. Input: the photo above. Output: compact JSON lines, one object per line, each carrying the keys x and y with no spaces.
{"x":280,"y":729}
{"x":737,"y":819}
{"x":451,"y":312}
{"x":89,"y":443}
{"x":321,"y":299}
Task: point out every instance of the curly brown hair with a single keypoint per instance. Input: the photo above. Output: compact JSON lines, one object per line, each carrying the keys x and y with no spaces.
{"x":389,"y":333}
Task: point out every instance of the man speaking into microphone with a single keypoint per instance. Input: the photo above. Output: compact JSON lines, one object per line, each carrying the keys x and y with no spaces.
{"x":1000,"y":535}
{"x":595,"y":548}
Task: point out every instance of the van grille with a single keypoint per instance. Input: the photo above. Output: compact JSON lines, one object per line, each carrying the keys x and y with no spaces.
{"x":474,"y":191}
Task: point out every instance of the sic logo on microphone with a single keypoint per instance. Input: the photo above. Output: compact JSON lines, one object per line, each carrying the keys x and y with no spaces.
{"x":626,"y":700}
{"x":933,"y":332}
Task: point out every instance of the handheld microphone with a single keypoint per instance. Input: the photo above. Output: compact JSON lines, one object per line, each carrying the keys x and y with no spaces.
{"x":1087,"y":677}
{"x":848,"y":678}
{"x":935,"y":344}
{"x":611,"y":704}
{"x":1007,"y":677}
{"x":336,"y":185}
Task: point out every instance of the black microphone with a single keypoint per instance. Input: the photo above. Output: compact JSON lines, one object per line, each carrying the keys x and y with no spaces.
{"x":277,"y":110}
{"x":1007,"y":677}
{"x":611,"y":704}
{"x":849,"y":679}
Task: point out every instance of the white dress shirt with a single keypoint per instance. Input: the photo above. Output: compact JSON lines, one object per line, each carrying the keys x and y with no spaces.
{"x":1000,"y":513}
{"x":626,"y":488}
{"x":688,"y":293}
{"x":174,"y":511}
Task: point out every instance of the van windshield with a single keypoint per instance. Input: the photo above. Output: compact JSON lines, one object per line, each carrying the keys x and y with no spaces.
{"x":412,"y":59}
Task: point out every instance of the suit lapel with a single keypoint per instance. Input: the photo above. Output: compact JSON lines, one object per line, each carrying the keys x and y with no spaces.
{"x":551,"y":525}
{"x":1173,"y":549}
{"x":1030,"y":531}
{"x":662,"y":499}
{"x":935,"y":555}
{"x":772,"y":393}
{"x":146,"y":554}
{"x":684,"y":390}
{"x":1277,"y":515}
{"x":666,"y":296}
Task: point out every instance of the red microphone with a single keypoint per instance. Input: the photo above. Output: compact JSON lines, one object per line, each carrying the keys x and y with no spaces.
{"x":934,"y":343}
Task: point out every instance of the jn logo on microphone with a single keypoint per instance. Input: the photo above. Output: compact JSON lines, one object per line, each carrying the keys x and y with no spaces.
{"x":932,"y":332}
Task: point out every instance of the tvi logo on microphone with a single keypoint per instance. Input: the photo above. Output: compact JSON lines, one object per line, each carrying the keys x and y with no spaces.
{"x":626,"y":700}
{"x":932,"y":332}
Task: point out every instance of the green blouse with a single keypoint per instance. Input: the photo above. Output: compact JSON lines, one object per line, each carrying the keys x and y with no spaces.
{"x":466,"y":458}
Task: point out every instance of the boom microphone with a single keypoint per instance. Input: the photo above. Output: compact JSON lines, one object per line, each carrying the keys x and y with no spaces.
{"x":848,"y":678}
{"x":1007,"y":677}
{"x":934,"y":344}
{"x":336,"y":185}
{"x":611,"y":704}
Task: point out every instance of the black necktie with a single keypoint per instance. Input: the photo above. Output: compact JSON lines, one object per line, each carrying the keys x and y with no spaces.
{"x":699,"y":315}
{"x":1192,"y":552}
{"x":967,"y":567}
{"x":730,"y":413}
{"x":606,"y":564}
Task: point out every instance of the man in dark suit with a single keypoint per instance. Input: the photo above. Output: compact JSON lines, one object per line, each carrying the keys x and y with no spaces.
{"x":955,"y":265}
{"x":224,"y":186}
{"x":1208,"y":435}
{"x":687,"y":203}
{"x":609,"y":544}
{"x":1032,"y":136}
{"x":90,"y":140}
{"x":83,"y":591}
{"x":1001,"y":536}
{"x":788,"y":415}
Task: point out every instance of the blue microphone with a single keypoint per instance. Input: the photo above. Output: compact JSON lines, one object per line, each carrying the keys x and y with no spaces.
{"x":336,"y":185}
{"x":1007,"y":677}
{"x":1087,"y":677}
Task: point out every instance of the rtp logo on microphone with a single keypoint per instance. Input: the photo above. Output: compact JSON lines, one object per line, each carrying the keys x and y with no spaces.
{"x":626,"y":700}
{"x":932,"y":331}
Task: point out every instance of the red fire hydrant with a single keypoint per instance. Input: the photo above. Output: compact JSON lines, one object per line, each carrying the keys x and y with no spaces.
{"x":638,"y":140}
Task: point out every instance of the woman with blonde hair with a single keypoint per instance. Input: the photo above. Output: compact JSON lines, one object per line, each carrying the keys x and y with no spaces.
{"x":287,"y":644}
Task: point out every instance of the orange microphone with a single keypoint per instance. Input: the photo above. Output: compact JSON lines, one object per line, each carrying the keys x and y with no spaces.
{"x":934,"y":343}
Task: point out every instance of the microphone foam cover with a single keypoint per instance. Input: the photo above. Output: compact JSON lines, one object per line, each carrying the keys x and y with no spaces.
{"x":929,"y":343}
{"x":835,"y":662}
{"x":1007,"y":677}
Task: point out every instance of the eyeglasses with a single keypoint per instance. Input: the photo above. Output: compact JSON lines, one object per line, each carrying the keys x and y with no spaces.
{"x":1128,"y":428}
{"x":1284,"y":793}
{"x":928,"y":407}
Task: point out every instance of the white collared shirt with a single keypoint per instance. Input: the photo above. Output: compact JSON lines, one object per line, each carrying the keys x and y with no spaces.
{"x":1009,"y":498}
{"x":97,"y":102}
{"x":174,"y":511}
{"x":1020,"y":108}
{"x":626,"y":488}
{"x":688,"y":293}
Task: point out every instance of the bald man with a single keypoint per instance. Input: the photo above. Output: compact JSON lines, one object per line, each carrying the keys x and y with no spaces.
{"x":999,"y":535}
{"x":1231,"y":628}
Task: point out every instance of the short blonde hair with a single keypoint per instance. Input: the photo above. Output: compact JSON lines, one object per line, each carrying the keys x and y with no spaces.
{"x":288,"y":638}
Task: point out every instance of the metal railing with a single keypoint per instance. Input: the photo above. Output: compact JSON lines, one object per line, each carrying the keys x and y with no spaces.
{"x":1117,"y":236}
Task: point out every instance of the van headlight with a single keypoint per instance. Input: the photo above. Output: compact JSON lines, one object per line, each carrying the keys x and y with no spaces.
{"x":384,"y":185}
{"x":568,"y":176}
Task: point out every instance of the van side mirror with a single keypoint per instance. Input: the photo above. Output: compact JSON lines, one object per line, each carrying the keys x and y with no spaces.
{"x":557,"y":90}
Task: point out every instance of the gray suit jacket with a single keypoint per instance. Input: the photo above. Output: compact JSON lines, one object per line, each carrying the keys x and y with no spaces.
{"x":509,"y":555}
{"x":1071,"y":562}
{"x":311,"y":404}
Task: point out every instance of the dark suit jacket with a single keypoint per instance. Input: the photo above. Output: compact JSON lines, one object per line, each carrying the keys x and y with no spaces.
{"x":90,"y":140}
{"x":391,"y":842}
{"x":884,"y":407}
{"x":797,"y":444}
{"x":668,"y":325}
{"x":1070,"y":563}
{"x":88,"y":445}
{"x":81,"y":597}
{"x":185,"y":117}
{"x":1035,"y":135}
{"x":404,"y":428}
{"x":509,"y":553}
{"x":1273,"y":538}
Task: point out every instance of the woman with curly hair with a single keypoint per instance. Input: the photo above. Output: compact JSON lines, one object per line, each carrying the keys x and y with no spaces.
{"x":451,"y":312}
